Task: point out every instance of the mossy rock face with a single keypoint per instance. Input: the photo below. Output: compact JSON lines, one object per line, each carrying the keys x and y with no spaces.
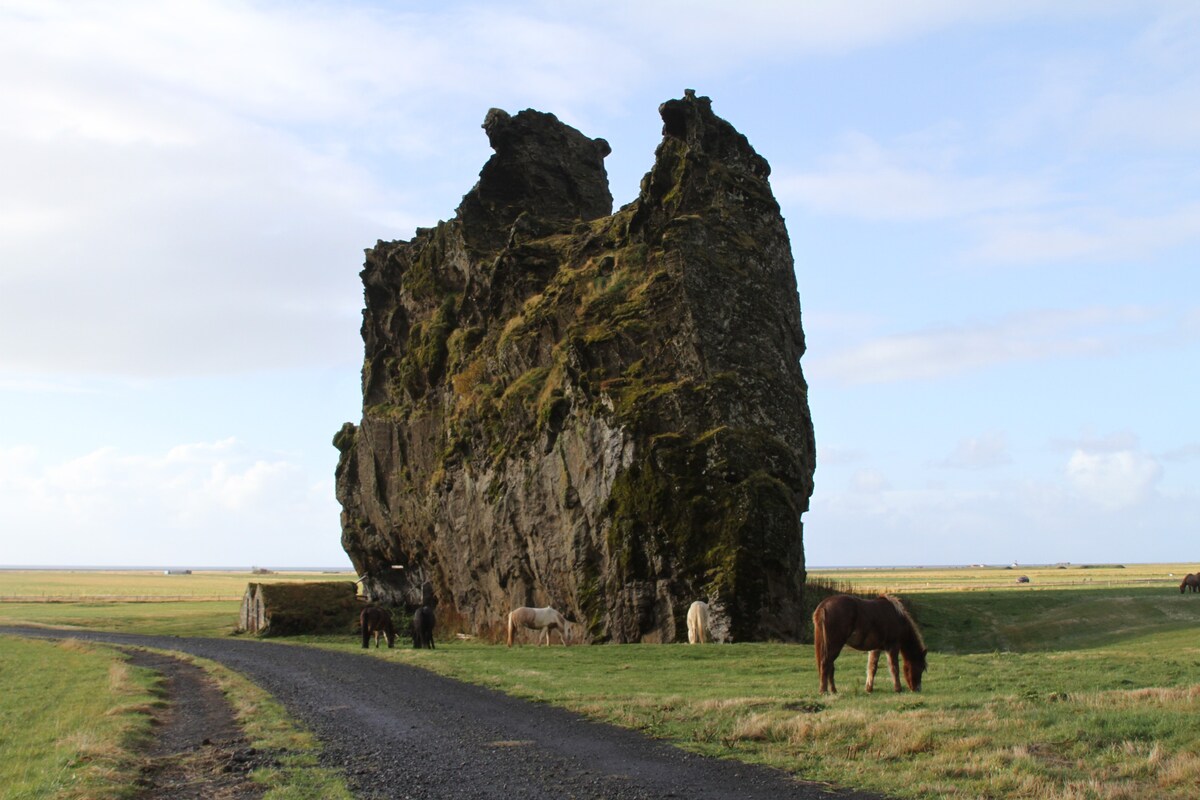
{"x":599,"y":411}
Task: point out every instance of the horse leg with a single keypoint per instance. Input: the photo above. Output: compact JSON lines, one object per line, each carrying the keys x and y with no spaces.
{"x":894,"y":666}
{"x":872,"y":665}
{"x":827,"y":681}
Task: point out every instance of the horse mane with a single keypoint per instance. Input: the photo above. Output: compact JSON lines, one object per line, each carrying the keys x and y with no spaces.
{"x":903,"y":612}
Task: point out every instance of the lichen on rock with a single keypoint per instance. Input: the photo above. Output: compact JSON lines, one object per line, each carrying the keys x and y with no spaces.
{"x":599,"y":411}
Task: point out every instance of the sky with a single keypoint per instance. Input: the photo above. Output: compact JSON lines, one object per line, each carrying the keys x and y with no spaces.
{"x":994,"y":210}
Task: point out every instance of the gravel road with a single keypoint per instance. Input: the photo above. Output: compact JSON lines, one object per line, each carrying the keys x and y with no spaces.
{"x":401,"y":732}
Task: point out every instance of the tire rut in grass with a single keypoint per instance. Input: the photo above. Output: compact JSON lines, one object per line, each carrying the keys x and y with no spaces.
{"x":198,"y":750}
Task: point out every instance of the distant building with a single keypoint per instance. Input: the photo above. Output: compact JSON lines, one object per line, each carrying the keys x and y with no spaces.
{"x":177,"y":572}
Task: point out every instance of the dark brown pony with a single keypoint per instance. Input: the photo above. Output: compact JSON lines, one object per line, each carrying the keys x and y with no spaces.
{"x":422,"y":628}
{"x":1190,"y":581}
{"x":871,"y":625}
{"x":377,"y":621}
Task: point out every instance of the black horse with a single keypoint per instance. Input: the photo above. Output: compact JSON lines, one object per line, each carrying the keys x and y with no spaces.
{"x":422,"y":627}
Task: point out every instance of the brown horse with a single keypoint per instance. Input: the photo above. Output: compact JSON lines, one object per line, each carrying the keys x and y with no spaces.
{"x":871,"y":625}
{"x":377,"y":621}
{"x":1190,"y":581}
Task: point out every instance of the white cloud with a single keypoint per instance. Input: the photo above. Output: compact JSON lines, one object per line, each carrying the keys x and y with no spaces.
{"x":711,"y":31}
{"x":869,"y":481}
{"x":186,"y":188}
{"x":932,"y":354}
{"x":213,"y":503}
{"x":1098,"y":235}
{"x":1109,"y":443}
{"x":1187,"y":452}
{"x":1042,"y":520}
{"x":1113,"y":480}
{"x":864,"y":180}
{"x":979,"y":452}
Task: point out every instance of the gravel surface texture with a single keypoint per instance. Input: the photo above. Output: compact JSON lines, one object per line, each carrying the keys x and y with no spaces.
{"x":401,"y":732}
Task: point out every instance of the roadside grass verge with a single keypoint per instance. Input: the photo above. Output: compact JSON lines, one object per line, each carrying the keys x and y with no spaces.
{"x":71,"y":715}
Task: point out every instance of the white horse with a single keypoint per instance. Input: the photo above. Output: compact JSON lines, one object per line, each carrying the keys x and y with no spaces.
{"x":538,"y":619}
{"x":697,"y":621}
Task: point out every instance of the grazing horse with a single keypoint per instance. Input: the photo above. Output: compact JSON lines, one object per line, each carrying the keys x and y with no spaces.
{"x":871,"y":625}
{"x":697,"y":622}
{"x":376,"y":620}
{"x":422,"y":628}
{"x":1190,"y":581}
{"x":538,"y":619}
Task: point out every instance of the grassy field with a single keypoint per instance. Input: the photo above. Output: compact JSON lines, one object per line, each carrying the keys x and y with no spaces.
{"x":1083,"y":683}
{"x":140,"y":585}
{"x":902,"y":580}
{"x":70,"y":715}
{"x":135,"y":601}
{"x":73,"y":715}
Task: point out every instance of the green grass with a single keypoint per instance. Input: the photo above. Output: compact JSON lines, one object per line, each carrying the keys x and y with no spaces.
{"x":38,"y":585}
{"x":171,"y":618}
{"x":73,"y":716}
{"x":1049,"y":619}
{"x":903,"y":580}
{"x":1088,"y":692}
{"x":135,"y":601}
{"x":70,"y":715}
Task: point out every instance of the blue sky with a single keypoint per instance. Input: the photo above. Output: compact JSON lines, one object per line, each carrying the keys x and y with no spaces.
{"x":994,"y":211}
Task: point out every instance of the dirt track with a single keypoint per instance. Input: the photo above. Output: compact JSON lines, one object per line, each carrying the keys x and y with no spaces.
{"x":401,"y":732}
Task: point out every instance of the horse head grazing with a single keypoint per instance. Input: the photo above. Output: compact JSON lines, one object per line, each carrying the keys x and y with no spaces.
{"x":912,"y":646}
{"x":915,"y":664}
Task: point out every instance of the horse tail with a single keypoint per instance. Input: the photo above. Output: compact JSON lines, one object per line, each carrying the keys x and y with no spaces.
{"x":820,"y":642}
{"x":510,"y":627}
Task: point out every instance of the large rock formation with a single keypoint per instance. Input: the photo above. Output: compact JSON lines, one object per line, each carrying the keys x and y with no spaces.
{"x":601,"y":412}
